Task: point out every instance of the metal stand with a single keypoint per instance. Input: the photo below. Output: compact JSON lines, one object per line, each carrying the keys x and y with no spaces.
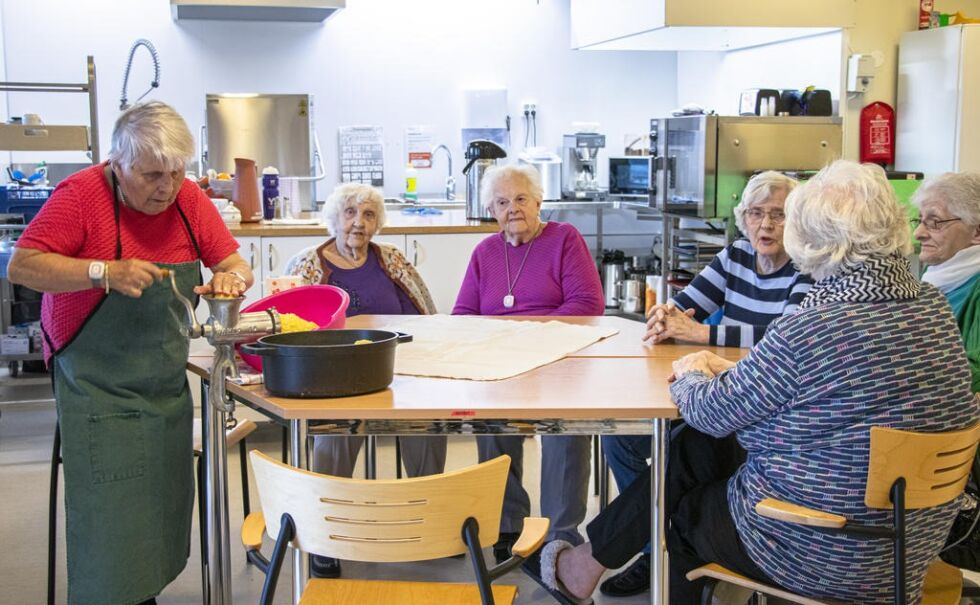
{"x":659,"y":576}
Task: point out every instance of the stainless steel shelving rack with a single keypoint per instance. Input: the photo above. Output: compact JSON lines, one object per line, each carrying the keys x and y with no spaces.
{"x":688,"y":250}
{"x":43,"y":137}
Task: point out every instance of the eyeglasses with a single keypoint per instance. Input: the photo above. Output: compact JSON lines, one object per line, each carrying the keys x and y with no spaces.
{"x":932,"y":224}
{"x":755,"y":215}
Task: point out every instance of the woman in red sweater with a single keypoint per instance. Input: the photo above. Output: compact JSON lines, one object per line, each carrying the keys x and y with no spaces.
{"x":112,"y":337}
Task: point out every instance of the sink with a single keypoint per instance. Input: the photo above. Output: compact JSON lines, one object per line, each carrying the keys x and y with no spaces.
{"x":397,"y":203}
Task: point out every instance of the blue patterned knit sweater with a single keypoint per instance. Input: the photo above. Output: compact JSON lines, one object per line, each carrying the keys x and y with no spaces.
{"x":802,"y":404}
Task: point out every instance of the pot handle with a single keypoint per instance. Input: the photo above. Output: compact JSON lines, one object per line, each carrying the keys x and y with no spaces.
{"x":403,"y":337}
{"x":256,"y":348}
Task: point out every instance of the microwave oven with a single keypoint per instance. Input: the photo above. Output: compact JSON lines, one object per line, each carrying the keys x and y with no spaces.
{"x":630,"y":176}
{"x":701,"y":163}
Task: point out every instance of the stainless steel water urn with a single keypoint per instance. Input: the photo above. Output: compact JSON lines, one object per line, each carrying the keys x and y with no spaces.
{"x":480,"y":155}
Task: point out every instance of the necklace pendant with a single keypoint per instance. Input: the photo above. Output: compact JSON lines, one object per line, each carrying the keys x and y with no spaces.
{"x":509,"y":301}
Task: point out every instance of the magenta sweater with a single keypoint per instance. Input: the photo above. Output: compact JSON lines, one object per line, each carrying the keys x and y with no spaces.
{"x":559,"y":276}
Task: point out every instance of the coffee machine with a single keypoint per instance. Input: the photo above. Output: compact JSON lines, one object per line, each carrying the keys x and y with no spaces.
{"x":579,"y":156}
{"x":480,"y":155}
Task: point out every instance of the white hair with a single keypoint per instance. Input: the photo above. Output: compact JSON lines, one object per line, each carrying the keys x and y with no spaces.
{"x":152,"y":132}
{"x":333,"y":208}
{"x":960,"y":191}
{"x":842,"y":216}
{"x":495,"y":174}
{"x":759,"y":188}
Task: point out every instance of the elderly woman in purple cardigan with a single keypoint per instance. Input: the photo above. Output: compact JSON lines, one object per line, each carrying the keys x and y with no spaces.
{"x":532,"y":268}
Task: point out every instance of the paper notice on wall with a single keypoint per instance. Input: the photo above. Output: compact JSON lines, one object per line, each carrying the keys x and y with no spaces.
{"x":361,"y":154}
{"x":418,"y":145}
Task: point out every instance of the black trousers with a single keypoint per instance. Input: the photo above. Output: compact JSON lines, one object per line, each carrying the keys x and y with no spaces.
{"x":700,"y":528}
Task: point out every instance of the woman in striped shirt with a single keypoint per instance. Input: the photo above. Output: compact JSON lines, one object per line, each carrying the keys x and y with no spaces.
{"x":751,"y":281}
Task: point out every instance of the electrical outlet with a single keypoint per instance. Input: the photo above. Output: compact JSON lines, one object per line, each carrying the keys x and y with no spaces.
{"x":529,"y":106}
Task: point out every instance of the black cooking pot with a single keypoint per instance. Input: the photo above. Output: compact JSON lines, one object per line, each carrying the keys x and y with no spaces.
{"x":327,"y":363}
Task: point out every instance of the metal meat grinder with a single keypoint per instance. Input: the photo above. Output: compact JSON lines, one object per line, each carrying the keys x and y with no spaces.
{"x":225,"y":327}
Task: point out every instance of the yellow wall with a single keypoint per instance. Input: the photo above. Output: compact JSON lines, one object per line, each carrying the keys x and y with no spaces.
{"x":880,"y":24}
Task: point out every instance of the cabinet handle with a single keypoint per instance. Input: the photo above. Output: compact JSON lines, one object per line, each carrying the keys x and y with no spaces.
{"x":415,"y":252}
{"x":251,"y":255}
{"x":271,"y":253}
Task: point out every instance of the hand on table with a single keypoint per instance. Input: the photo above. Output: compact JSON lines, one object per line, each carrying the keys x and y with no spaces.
{"x":667,"y":321}
{"x":702,"y":361}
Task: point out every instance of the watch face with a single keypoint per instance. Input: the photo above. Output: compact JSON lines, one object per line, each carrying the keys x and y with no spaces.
{"x":96,"y":271}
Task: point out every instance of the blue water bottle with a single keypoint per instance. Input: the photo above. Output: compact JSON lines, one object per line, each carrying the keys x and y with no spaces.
{"x":270,"y":192}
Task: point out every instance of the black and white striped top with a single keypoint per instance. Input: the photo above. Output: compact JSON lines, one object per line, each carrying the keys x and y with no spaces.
{"x":749,"y":301}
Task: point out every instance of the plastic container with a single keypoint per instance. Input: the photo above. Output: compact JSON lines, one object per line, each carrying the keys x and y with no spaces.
{"x":23,"y":200}
{"x":411,"y":183}
{"x":270,"y":192}
{"x":322,"y":304}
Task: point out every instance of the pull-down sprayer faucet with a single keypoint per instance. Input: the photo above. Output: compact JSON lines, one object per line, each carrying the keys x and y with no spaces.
{"x":450,"y":179}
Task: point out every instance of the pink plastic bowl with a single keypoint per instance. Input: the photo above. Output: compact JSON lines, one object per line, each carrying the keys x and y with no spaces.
{"x":323,"y":305}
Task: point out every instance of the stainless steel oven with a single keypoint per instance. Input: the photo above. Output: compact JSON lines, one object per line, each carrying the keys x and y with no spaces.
{"x":701,"y":163}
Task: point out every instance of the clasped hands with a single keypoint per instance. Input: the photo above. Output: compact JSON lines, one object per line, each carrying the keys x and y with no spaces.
{"x":667,"y":321}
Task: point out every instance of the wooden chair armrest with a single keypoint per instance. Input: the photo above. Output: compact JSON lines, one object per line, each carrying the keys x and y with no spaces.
{"x":531,"y":539}
{"x":252,"y":530}
{"x":243,"y":429}
{"x":801,"y":515}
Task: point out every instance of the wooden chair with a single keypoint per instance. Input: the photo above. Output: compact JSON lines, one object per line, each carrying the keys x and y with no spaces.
{"x":907,"y":470}
{"x":386,"y":521}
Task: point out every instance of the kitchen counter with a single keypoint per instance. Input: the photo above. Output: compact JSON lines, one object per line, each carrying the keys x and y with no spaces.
{"x":450,"y":221}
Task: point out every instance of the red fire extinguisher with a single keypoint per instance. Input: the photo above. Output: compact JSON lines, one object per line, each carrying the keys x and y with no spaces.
{"x":877,"y":137}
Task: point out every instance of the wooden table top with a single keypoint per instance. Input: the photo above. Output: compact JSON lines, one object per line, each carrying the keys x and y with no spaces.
{"x":612,"y":379}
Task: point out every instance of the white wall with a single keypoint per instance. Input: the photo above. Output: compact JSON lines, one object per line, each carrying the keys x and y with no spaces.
{"x":392,"y":63}
{"x":715,"y":79}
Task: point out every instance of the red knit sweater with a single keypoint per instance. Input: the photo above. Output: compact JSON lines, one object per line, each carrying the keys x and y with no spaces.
{"x":77,"y":221}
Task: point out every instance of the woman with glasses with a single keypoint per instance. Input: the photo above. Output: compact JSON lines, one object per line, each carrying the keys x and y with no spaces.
{"x":532,"y":267}
{"x":750,"y":283}
{"x":948,"y":228}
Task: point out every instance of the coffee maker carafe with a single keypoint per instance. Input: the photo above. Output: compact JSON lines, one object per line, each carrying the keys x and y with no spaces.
{"x":579,"y":155}
{"x":481,"y":154}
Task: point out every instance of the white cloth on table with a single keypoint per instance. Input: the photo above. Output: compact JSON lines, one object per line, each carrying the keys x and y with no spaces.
{"x":480,"y":348}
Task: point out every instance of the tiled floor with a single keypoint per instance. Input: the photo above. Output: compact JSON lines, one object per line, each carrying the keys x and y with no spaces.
{"x":25,"y":452}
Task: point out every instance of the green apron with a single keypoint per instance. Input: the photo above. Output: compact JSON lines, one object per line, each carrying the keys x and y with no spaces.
{"x":125,"y":412}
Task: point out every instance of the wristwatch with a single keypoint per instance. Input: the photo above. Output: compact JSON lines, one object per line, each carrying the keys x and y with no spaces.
{"x":97,"y":273}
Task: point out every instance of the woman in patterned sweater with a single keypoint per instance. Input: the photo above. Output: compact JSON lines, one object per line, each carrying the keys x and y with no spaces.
{"x":869,"y":346}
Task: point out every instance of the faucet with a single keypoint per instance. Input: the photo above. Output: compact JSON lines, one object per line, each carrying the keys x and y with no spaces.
{"x":450,"y":179}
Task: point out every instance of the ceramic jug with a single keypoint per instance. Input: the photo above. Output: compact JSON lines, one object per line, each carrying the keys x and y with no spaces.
{"x":245,"y":194}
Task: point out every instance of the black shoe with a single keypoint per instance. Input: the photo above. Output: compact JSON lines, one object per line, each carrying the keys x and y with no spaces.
{"x":501,"y":550}
{"x":633,"y":580}
{"x":324,"y":567}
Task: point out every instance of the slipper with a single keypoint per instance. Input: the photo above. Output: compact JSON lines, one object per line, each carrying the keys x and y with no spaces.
{"x":540,"y":567}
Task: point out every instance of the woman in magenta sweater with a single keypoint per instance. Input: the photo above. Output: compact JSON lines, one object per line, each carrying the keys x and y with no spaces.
{"x":532,"y":268}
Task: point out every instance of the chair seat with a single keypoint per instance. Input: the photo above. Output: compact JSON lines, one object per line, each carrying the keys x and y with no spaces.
{"x":381,"y":592}
{"x":942,"y":586}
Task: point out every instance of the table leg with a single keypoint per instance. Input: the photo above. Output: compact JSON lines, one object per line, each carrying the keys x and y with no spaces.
{"x":659,"y":565}
{"x":298,"y":458}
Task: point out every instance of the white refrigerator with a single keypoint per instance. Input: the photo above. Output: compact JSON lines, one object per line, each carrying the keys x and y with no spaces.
{"x":938,"y":105}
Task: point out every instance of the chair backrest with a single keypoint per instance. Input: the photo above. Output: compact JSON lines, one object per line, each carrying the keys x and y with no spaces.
{"x":382,"y":520}
{"x":935,"y":466}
